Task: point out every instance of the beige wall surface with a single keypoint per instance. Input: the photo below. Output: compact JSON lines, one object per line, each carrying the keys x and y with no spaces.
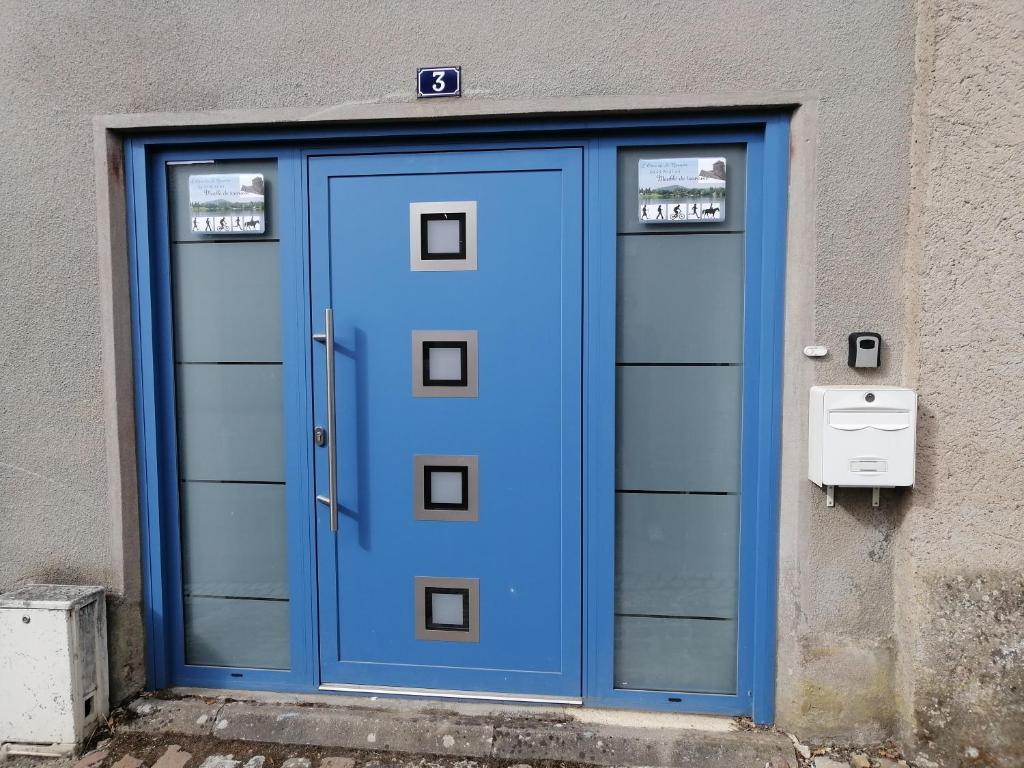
{"x":960,"y":578}
{"x":849,"y":65}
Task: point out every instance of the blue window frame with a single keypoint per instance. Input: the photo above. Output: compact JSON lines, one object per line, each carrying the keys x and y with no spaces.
{"x":766,"y":137}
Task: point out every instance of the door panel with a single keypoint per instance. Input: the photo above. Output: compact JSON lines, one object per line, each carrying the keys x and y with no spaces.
{"x":487,"y":601}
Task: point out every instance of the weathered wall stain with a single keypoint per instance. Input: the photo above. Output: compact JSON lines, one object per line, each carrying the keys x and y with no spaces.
{"x":970,"y":681}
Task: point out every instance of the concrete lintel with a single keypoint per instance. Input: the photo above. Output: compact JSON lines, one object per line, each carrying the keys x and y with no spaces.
{"x":453,"y":109}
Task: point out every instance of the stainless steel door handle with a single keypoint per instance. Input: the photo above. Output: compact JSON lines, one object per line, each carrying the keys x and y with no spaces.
{"x":331,"y":500}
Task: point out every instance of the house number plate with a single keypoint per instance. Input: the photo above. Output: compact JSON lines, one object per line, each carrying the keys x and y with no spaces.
{"x":438,"y":81}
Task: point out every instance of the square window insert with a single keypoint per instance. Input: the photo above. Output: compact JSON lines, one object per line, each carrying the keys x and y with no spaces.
{"x":445,"y":488}
{"x":447,"y":609}
{"x":444,"y":363}
{"x":442,"y":236}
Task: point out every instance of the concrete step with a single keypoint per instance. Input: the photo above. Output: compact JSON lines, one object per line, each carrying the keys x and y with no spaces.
{"x":505,"y":732}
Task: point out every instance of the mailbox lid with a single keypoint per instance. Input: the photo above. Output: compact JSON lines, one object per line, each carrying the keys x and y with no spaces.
{"x":868,"y":436}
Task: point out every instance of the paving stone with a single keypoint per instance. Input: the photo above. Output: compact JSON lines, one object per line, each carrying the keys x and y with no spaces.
{"x":337,"y":762}
{"x":297,"y":762}
{"x":91,"y":759}
{"x":191,"y":717}
{"x":173,"y":758}
{"x":221,"y":761}
{"x":128,"y":761}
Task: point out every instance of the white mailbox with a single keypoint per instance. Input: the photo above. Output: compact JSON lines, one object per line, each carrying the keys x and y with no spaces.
{"x":862,"y":436}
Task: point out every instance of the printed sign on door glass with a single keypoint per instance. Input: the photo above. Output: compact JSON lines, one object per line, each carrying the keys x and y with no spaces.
{"x":227,"y":204}
{"x":681,"y":190}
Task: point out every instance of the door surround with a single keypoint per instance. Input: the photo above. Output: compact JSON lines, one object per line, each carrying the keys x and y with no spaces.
{"x":598,"y":136}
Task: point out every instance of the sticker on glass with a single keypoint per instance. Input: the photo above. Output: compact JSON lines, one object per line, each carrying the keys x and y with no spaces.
{"x":679,"y":190}
{"x":227,"y":204}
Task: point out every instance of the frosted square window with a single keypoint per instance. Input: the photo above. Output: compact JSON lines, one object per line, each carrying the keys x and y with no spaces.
{"x":445,"y":487}
{"x":447,"y":609}
{"x":444,"y":236}
{"x":444,"y":363}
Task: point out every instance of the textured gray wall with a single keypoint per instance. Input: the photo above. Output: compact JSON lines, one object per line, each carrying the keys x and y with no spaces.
{"x":960,"y":581}
{"x":61,"y":63}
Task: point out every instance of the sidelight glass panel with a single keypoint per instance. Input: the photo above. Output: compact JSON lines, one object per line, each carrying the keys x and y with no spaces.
{"x":670,"y":654}
{"x":227,"y":302}
{"x":679,"y":428}
{"x":232,"y":632}
{"x":680,"y":299}
{"x":678,"y":555}
{"x":226,"y":325}
{"x":215,"y":517}
{"x":230,"y":422}
{"x":679,"y":378}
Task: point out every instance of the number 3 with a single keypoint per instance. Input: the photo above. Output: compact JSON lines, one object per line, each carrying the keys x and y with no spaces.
{"x":438,"y":85}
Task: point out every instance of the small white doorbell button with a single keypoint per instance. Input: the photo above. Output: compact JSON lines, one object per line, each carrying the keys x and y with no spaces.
{"x":865,"y":350}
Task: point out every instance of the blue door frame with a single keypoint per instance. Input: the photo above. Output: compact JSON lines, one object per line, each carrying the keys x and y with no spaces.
{"x":766,"y":136}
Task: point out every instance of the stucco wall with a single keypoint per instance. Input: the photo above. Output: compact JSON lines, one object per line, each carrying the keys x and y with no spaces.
{"x":960,"y":584}
{"x":849,"y":64}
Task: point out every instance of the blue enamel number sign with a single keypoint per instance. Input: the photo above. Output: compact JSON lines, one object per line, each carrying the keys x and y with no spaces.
{"x":438,"y":81}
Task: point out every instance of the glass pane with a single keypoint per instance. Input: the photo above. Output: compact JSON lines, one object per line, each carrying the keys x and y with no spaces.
{"x":678,"y":428}
{"x":679,"y":405}
{"x":215,"y":517}
{"x":230,"y":418}
{"x":446,"y":608}
{"x":443,"y":235}
{"x":677,"y":555}
{"x":680,"y":299}
{"x":445,"y":363}
{"x":667,"y":654}
{"x":230,"y":422}
{"x":228,"y":632}
{"x":445,"y":487}
{"x":227,"y":302}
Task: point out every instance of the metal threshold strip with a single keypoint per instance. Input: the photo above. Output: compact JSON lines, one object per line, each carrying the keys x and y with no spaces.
{"x":523,"y":698}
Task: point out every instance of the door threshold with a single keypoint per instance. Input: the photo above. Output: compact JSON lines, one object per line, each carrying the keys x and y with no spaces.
{"x":435,"y":693}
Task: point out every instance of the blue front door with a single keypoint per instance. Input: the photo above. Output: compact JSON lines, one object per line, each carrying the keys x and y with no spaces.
{"x":452,"y":285}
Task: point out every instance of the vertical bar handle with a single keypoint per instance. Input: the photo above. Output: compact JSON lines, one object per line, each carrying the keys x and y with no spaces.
{"x":331,"y":500}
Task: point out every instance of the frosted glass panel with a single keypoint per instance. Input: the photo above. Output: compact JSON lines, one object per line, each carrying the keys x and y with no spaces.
{"x":680,"y":299}
{"x":656,"y":654}
{"x":234,"y":540}
{"x":447,"y":609}
{"x":678,"y":428}
{"x":227,"y":305}
{"x":229,"y":632}
{"x":445,"y":487}
{"x":443,"y":235}
{"x":227,"y":331}
{"x":230,"y":422}
{"x":445,"y":363}
{"x":677,"y":555}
